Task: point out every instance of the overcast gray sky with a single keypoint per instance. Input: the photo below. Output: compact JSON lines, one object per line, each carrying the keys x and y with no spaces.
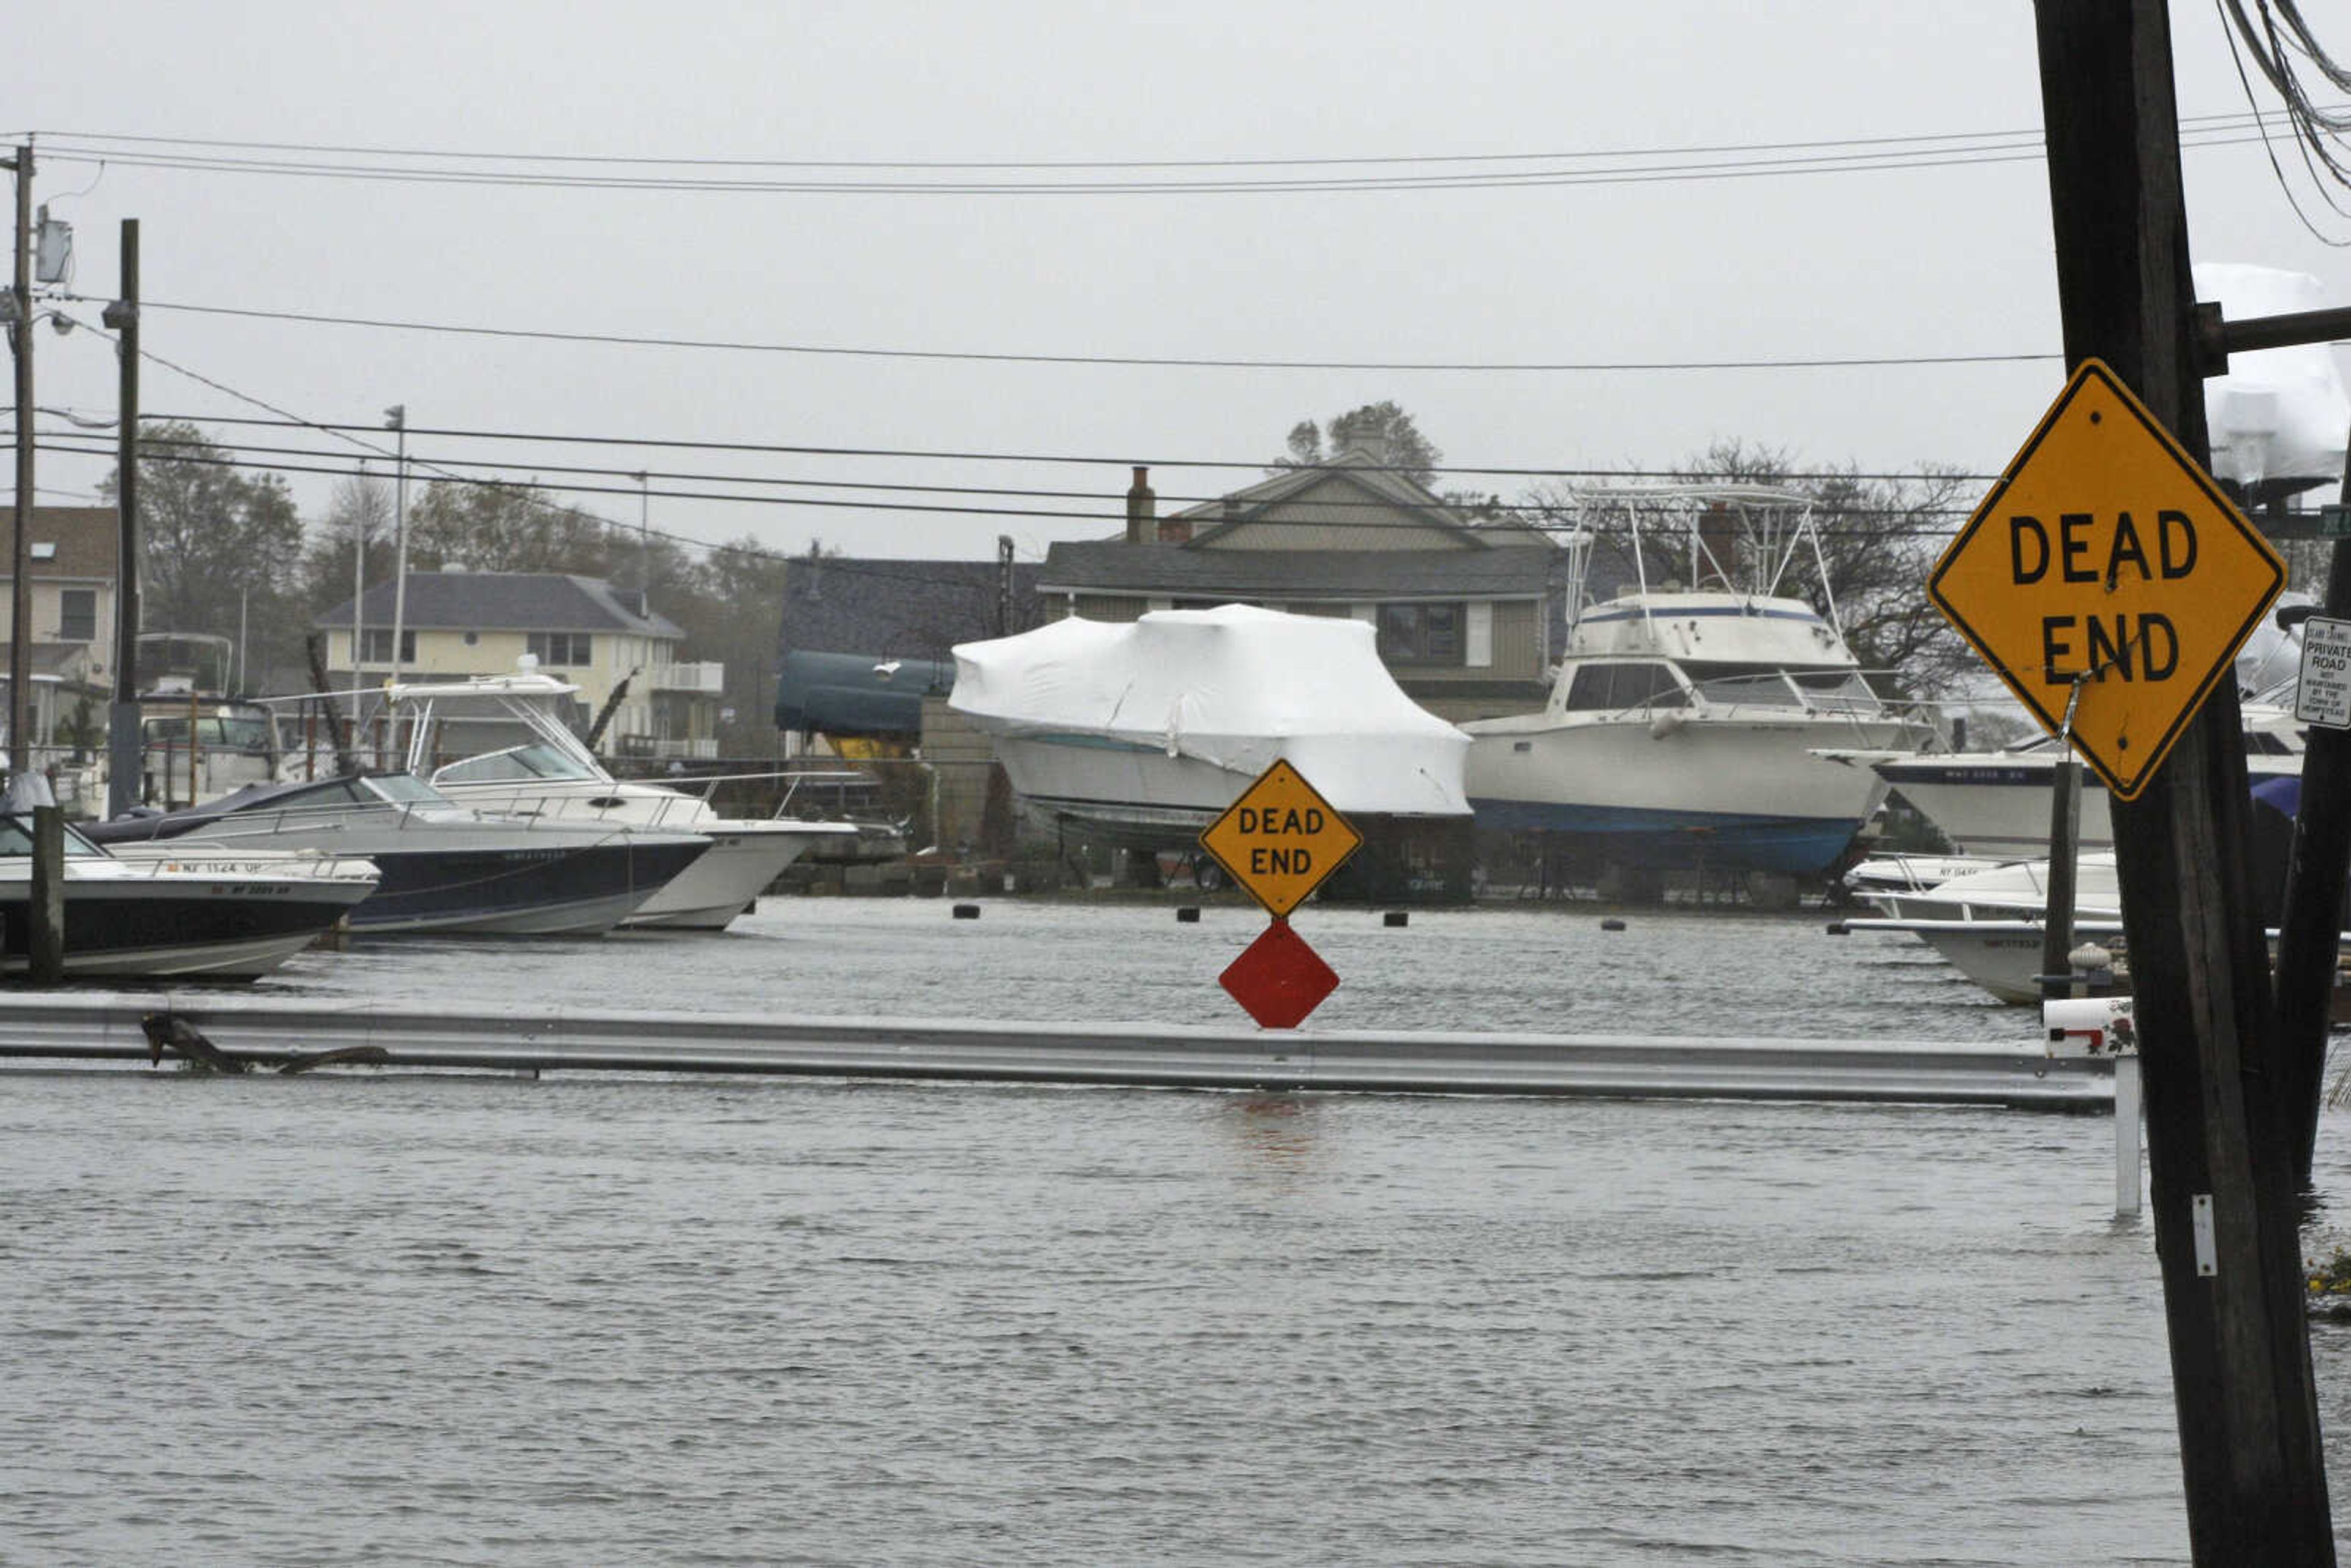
{"x":1753,"y":264}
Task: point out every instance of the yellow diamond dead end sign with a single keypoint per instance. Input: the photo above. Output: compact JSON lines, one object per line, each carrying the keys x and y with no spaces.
{"x":1281,"y":839}
{"x":2107,"y":561}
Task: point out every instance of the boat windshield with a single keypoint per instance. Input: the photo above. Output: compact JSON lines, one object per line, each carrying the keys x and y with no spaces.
{"x":406,"y":789}
{"x":1836,"y":687}
{"x":214,"y":732}
{"x":1739,"y":683}
{"x":17,"y":838}
{"x":536,"y":760}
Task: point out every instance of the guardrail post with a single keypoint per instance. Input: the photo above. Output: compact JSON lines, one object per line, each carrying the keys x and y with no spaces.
{"x":2126,"y":1136}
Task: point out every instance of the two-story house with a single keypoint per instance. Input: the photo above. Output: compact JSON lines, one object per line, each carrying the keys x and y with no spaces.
{"x":71,"y":580}
{"x":457,"y":623}
{"x":1466,"y":609}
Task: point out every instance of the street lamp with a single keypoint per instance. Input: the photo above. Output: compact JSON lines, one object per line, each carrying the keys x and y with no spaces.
{"x":395,"y":418}
{"x":645,"y":544}
{"x":359,"y":578}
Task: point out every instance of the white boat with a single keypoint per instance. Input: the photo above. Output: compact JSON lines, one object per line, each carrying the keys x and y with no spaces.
{"x":2001,"y":954}
{"x":443,"y":869}
{"x":176,"y":917}
{"x":1147,"y":730}
{"x":1996,"y":803}
{"x":516,"y":757}
{"x":2004,"y":890}
{"x":1684,"y":725}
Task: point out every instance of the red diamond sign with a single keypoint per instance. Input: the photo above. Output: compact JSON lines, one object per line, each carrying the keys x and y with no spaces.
{"x":1278,"y":978}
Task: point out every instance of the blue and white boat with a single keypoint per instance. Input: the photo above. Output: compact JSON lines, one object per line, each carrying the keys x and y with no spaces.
{"x":1685,"y":723}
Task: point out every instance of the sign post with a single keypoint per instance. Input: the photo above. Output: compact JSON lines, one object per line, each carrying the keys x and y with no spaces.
{"x":1280,"y":840}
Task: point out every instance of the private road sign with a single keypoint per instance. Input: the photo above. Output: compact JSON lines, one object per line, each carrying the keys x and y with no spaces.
{"x":1281,"y":839}
{"x":2107,"y":561}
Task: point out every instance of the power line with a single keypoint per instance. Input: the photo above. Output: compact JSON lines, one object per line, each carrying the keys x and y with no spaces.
{"x":2188,"y":122}
{"x":1110,"y":516}
{"x":781,"y":449}
{"x":1735,"y":160}
{"x":443,"y":464}
{"x":623,"y":339}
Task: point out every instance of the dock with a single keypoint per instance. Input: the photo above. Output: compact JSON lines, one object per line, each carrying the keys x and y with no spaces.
{"x":273,"y":1033}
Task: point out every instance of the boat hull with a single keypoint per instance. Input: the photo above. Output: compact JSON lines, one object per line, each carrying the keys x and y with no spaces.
{"x":743,"y":860}
{"x":466,"y":875}
{"x":1733,"y":794}
{"x":745,"y":857}
{"x":173,"y":926}
{"x":1998,"y":807}
{"x":520,"y":890}
{"x":1139,"y":797}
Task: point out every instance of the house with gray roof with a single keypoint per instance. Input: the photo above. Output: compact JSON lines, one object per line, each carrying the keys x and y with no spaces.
{"x":456,"y":624}
{"x":1466,"y":609}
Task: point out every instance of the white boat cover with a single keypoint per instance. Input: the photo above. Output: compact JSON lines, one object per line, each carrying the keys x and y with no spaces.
{"x":1235,"y":686}
{"x":2279,"y":413}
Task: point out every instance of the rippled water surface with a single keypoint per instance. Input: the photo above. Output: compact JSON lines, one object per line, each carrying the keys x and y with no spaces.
{"x":487,"y":1319}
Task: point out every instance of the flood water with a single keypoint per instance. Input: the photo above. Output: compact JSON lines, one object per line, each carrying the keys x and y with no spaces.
{"x":390,"y":1318}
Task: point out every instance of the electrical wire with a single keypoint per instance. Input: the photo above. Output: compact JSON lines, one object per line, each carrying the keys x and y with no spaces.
{"x":1736,"y":161}
{"x":1110,"y":514}
{"x":625,"y":339}
{"x":442,"y":465}
{"x":781,"y":449}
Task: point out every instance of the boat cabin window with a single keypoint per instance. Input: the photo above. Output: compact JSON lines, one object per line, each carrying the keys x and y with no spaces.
{"x":17,"y":838}
{"x":1606,"y":688}
{"x":1735,"y":683}
{"x":533,"y":762}
{"x":214,"y":732}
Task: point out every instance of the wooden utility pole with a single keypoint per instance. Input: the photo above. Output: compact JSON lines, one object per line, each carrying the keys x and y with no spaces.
{"x":2310,"y":941}
{"x":124,"y":760}
{"x":2223,"y":1194}
{"x":20,"y":622}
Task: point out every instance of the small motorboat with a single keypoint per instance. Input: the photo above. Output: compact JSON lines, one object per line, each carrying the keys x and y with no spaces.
{"x":201,"y":918}
{"x":516,"y":757}
{"x":443,"y":868}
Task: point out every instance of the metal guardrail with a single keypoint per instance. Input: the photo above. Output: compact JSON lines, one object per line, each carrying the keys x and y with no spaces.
{"x":266,"y":1031}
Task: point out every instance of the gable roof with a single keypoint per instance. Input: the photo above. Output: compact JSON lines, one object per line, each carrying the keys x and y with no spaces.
{"x":85,"y":542}
{"x":1113,"y":566}
{"x":1355,"y":470}
{"x":882,"y":608}
{"x":503,"y":601}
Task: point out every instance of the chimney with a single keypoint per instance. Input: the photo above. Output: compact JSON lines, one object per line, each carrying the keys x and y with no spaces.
{"x":1140,"y":505}
{"x":1174,"y":531}
{"x":1371,"y":446}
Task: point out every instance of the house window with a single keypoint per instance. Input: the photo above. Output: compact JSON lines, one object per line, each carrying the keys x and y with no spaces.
{"x":1420,"y":633}
{"x":378,"y":646}
{"x":568,"y":650}
{"x":78,"y":615}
